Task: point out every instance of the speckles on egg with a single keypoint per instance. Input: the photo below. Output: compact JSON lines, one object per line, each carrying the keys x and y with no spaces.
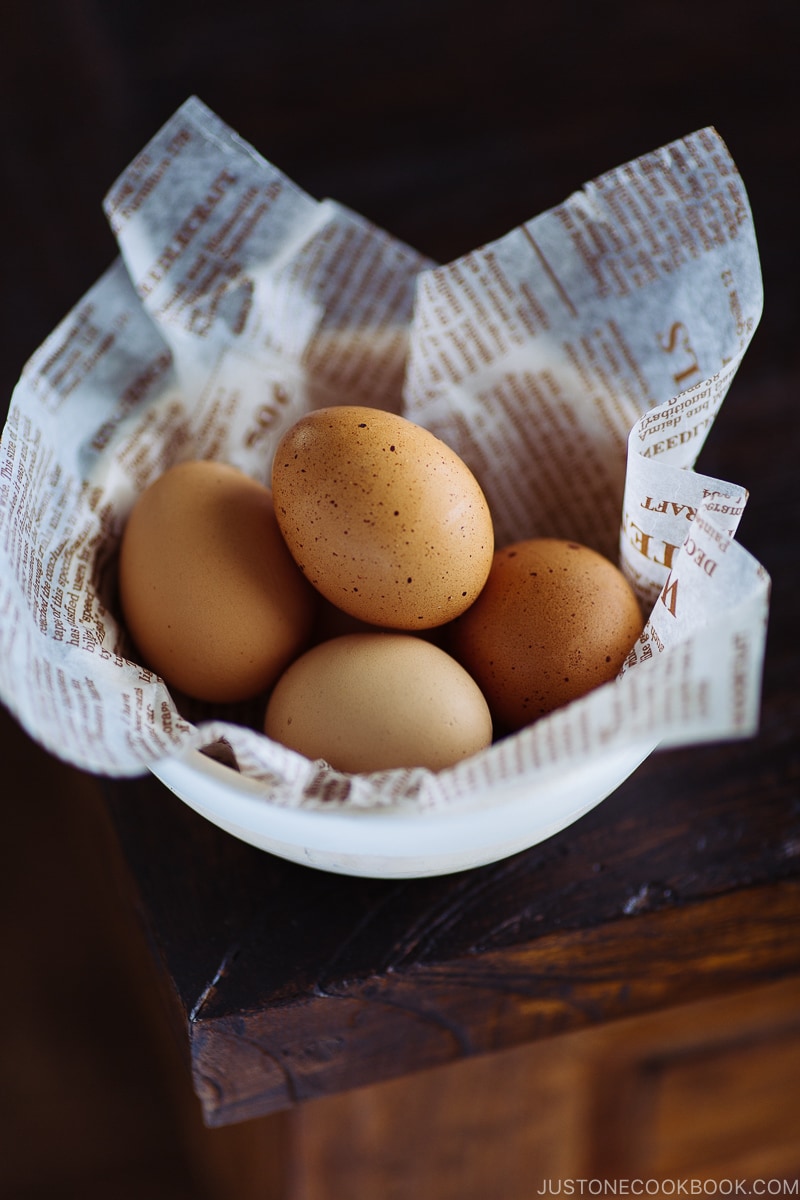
{"x":383,"y":518}
{"x":555,"y":620}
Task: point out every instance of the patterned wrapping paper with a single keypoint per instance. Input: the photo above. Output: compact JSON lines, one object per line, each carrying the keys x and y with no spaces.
{"x":576,"y":364}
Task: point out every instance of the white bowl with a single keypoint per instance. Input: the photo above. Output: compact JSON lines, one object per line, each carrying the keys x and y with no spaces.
{"x":400,"y":843}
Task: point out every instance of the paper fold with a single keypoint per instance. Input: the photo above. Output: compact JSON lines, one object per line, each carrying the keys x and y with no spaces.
{"x":576,"y":364}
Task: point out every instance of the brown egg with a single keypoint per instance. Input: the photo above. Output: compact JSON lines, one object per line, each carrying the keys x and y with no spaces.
{"x":209,"y":593}
{"x":384,"y":519}
{"x":554,"y":621}
{"x":373,"y":701}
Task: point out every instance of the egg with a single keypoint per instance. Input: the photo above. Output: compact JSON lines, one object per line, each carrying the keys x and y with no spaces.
{"x":383,"y":518}
{"x":209,"y":593}
{"x":377,"y":700}
{"x":555,"y":620}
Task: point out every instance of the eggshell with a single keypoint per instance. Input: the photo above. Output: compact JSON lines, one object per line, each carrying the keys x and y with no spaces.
{"x":209,"y":593}
{"x":555,"y":620}
{"x":384,"y":519}
{"x":373,"y":701}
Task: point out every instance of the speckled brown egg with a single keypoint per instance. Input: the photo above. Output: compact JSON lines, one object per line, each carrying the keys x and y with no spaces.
{"x":374,"y":701}
{"x":555,"y":620}
{"x":383,"y":518}
{"x":209,"y":593}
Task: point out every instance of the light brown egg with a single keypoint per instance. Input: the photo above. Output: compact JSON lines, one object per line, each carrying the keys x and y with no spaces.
{"x":210,"y":595}
{"x":374,"y":701}
{"x":555,"y":620}
{"x":384,"y":519}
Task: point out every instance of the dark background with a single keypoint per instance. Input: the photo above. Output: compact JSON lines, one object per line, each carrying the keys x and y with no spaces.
{"x":448,"y":124}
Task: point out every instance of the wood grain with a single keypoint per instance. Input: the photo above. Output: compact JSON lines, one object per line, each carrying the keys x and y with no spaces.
{"x":249,"y":1064}
{"x":448,"y":124}
{"x":700,"y":1092}
{"x":684,"y":882}
{"x":291,"y":983}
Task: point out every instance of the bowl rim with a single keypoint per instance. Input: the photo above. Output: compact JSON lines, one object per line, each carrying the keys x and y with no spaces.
{"x":397,"y":839}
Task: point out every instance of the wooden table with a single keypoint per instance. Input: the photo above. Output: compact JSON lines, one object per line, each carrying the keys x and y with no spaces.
{"x":292,"y":983}
{"x":448,"y":127}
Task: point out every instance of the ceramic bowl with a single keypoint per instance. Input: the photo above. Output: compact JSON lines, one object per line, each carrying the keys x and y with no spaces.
{"x":396,"y":843}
